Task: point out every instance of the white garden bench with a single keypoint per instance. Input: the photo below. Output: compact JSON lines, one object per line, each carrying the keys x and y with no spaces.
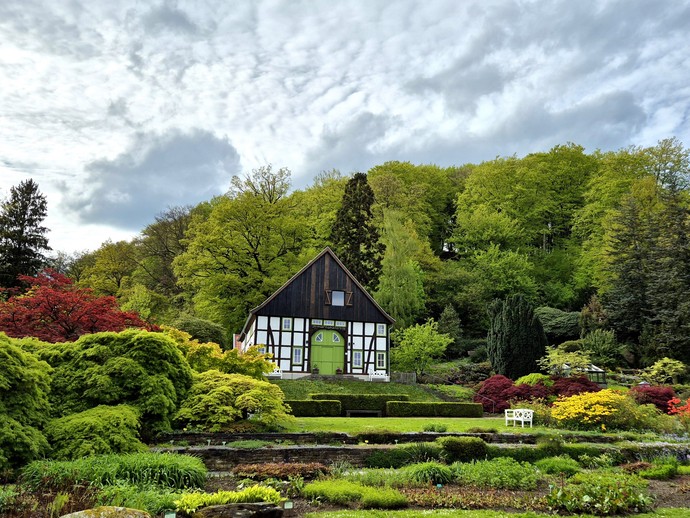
{"x":375,"y":375}
{"x":276,"y":374}
{"x":521,"y":415}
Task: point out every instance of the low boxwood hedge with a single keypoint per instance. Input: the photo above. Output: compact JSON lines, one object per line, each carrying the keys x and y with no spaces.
{"x":315,"y":408}
{"x":416,"y":409}
{"x":376,"y":402}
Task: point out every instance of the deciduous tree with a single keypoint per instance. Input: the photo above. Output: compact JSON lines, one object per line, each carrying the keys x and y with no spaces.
{"x":418,"y":346}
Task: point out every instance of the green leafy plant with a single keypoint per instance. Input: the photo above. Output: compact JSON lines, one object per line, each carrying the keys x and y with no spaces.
{"x":388,"y":458}
{"x":282,"y":470}
{"x":601,"y":494}
{"x":152,"y":499}
{"x":421,"y":452}
{"x":561,"y":465}
{"x":463,"y":449}
{"x":383,"y":498}
{"x":344,"y":491}
{"x":191,"y":502}
{"x":500,"y":473}
{"x":429,"y":473}
{"x":8,"y":495}
{"x":438,"y":428}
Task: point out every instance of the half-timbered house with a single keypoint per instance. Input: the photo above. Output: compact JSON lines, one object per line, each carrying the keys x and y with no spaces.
{"x":322,"y":319}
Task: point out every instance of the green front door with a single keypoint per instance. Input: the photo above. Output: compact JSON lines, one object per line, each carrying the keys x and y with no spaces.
{"x":327,"y":351}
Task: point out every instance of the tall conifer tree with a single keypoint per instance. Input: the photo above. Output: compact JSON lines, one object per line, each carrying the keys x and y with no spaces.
{"x":354,"y":235}
{"x":22,"y":236}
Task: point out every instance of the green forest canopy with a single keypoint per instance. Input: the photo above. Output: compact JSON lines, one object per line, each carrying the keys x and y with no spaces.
{"x":556,"y":227}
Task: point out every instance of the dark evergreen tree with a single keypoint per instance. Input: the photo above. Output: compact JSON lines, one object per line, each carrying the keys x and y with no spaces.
{"x":449,"y":324}
{"x":354,"y":236}
{"x":516,"y":339}
{"x":22,"y":237}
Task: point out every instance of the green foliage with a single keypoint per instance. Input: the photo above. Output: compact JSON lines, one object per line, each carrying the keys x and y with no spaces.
{"x":441,"y":409}
{"x":449,"y":324}
{"x":22,"y":236}
{"x":152,"y":499}
{"x":666,"y":370}
{"x":433,"y":427}
{"x":387,"y":458}
{"x":534,"y":379}
{"x":142,"y":469}
{"x":200,"y":329}
{"x":361,"y":401}
{"x":354,"y":235}
{"x":557,"y":358}
{"x":191,"y":502}
{"x":429,"y":473}
{"x":96,"y":431}
{"x":499,"y":473}
{"x":558,"y":325}
{"x":282,"y":470}
{"x":421,"y":452}
{"x":334,"y":491}
{"x":660,"y":471}
{"x":217,"y":400}
{"x":138,"y":368}
{"x":561,"y":465}
{"x":314,"y":408}
{"x":417,"y":347}
{"x":463,"y":449}
{"x":601,"y":494}
{"x":602,"y":348}
{"x":302,"y":388}
{"x":516,"y":339}
{"x":8,"y":495}
{"x":24,"y":407}
{"x":383,"y":498}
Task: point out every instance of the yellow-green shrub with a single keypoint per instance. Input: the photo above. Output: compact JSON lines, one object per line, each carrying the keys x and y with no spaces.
{"x":190,"y":502}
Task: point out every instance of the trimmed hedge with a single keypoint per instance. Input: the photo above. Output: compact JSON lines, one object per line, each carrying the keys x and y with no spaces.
{"x":416,"y":409}
{"x":315,"y":408}
{"x":375,"y":402}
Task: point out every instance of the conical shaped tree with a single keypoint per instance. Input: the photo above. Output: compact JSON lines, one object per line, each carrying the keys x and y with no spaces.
{"x":22,"y":237}
{"x":516,"y":339}
{"x":354,"y":236}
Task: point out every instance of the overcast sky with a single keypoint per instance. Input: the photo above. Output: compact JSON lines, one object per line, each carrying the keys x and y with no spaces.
{"x":121,"y":109}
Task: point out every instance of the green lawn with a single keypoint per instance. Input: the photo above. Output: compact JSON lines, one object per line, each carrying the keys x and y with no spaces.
{"x":455,"y":513}
{"x":354,"y":425}
{"x":300,"y":389}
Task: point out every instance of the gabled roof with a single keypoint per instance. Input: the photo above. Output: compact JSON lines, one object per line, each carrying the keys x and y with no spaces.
{"x":326,"y":251}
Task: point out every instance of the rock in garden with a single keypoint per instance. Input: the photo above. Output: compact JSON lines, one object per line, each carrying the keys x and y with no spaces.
{"x":107,"y":511}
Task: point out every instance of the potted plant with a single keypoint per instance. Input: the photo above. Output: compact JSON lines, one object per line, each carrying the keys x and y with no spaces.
{"x":338,"y":371}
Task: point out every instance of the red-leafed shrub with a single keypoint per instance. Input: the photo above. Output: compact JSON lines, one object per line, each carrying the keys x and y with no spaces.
{"x":659,"y":396}
{"x":525,"y":392}
{"x":492,"y":393}
{"x":281,"y":470}
{"x":566,"y":387}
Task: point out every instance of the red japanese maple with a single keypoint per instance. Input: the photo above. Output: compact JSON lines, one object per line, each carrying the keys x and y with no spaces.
{"x":52,"y":309}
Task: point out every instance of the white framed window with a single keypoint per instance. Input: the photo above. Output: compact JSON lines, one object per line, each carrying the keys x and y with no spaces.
{"x":286,"y":324}
{"x":262,"y":349}
{"x":381,"y":361}
{"x":329,"y":323}
{"x":340,"y":323}
{"x":297,"y":356}
{"x":380,"y":329}
{"x":318,"y":337}
{"x":316,"y":322}
{"x":357,"y":359}
{"x":338,"y":298}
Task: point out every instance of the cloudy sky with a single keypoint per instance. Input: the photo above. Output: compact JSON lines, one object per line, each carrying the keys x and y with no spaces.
{"x":120,"y":109}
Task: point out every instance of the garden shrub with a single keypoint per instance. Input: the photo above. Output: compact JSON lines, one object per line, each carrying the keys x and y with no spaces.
{"x":601,"y":494}
{"x":191,"y":502}
{"x":561,"y":465}
{"x":438,"y":428}
{"x":138,"y":368}
{"x":659,"y":396}
{"x":660,"y":472}
{"x":388,"y":458}
{"x":314,"y":408}
{"x":377,"y":436}
{"x":201,"y":330}
{"x":216,"y":400}
{"x":167,"y":469}
{"x":558,"y":325}
{"x":383,"y":498}
{"x":534,"y":379}
{"x":100,"y":430}
{"x":499,"y":473}
{"x":24,"y":407}
{"x":481,"y":429}
{"x":432,"y":409}
{"x":526,"y":392}
{"x":463,"y":449}
{"x":281,"y":470}
{"x":429,"y":473}
{"x":492,"y":393}
{"x":154,"y":500}
{"x":343,"y":491}
{"x":362,"y":401}
{"x":8,"y":495}
{"x":572,"y":385}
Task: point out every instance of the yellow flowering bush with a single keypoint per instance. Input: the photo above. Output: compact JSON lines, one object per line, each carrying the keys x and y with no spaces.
{"x":607,"y":409}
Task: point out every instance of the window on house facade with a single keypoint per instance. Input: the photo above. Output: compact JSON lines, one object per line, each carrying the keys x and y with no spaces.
{"x":316,"y":322}
{"x":337,"y":298}
{"x":336,"y":338}
{"x":287,"y":324}
{"x":329,"y":323}
{"x":381,"y":361}
{"x":381,"y":329}
{"x":340,"y":323}
{"x":297,"y":356}
{"x":318,"y":337}
{"x":357,"y":359}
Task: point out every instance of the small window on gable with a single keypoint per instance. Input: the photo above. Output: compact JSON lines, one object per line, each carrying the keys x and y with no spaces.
{"x":381,"y":361}
{"x":336,"y":338}
{"x":316,"y":322}
{"x":287,"y":324}
{"x":381,"y":329}
{"x":357,"y":359}
{"x":318,"y":337}
{"x":297,"y":356}
{"x":337,"y":298}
